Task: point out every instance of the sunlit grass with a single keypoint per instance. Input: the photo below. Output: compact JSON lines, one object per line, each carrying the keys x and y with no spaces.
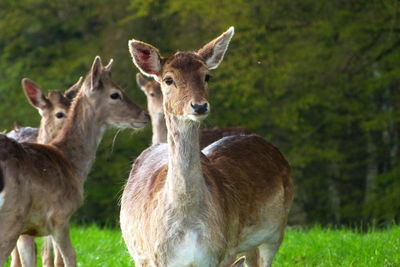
{"x":314,"y":247}
{"x":326,"y":247}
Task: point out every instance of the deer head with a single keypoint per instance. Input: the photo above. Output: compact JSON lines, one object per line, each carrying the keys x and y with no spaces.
{"x":53,"y":108}
{"x":183,"y":76}
{"x":109,"y":101}
{"x":152,"y":90}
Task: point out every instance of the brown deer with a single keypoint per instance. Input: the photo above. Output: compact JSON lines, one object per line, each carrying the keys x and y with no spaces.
{"x":42,"y":185}
{"x":152,"y":90}
{"x":183,"y":207}
{"x":53,"y":109}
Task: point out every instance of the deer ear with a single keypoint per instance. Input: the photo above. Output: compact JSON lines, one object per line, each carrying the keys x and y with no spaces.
{"x":214,"y":51}
{"x":141,"y":80}
{"x":95,"y":73}
{"x":146,"y":58}
{"x":109,"y":65}
{"x":74,"y":89}
{"x":239,"y":262}
{"x":34,"y":94}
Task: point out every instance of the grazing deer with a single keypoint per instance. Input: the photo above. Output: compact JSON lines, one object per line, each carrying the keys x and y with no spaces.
{"x":152,"y":90}
{"x":183,"y":207}
{"x":53,"y":110}
{"x":42,"y":185}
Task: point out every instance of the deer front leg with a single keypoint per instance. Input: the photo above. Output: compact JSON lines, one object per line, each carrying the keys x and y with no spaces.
{"x":25,"y":252}
{"x":63,"y":244}
{"x":47,"y":252}
{"x":8,"y":241}
{"x":15,"y":260}
{"x":58,"y":260}
{"x":51,"y":256}
{"x":252,"y":257}
{"x":268,"y":249}
{"x":10,"y":228}
{"x":239,"y":262}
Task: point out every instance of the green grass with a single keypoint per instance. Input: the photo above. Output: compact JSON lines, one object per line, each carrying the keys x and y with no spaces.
{"x":314,"y":247}
{"x":326,"y":247}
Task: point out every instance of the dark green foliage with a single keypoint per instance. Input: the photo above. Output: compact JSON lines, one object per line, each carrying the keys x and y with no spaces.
{"x":320,"y":79}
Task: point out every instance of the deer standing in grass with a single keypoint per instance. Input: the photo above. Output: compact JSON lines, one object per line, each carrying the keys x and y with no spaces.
{"x":41,"y":186}
{"x":53,"y":109}
{"x":152,"y":90}
{"x":183,"y":207}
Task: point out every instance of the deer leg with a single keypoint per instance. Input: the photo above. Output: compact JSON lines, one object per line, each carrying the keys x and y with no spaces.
{"x":58,"y":260}
{"x":26,"y":248}
{"x":10,"y":228}
{"x":63,"y":244}
{"x":268,"y":250}
{"x":47,"y":252}
{"x":15,"y":260}
{"x":239,"y":262}
{"x":252,"y":258}
{"x":8,"y":241}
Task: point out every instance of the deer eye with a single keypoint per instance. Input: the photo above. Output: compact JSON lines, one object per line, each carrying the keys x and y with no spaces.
{"x":115,"y":96}
{"x":60,"y":115}
{"x":207,"y":78}
{"x":152,"y":94}
{"x":168,"y":80}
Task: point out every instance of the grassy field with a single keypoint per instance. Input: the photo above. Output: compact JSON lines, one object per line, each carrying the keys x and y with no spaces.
{"x":314,"y":247}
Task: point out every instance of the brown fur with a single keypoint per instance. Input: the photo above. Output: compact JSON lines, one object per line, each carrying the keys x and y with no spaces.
{"x":181,"y":207}
{"x":25,"y":252}
{"x":50,"y":177}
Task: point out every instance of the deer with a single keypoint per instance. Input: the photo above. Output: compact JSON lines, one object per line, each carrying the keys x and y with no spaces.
{"x":184,"y":207}
{"x":23,"y":134}
{"x":53,"y":109}
{"x":152,"y":90}
{"x":53,"y":113}
{"x":42,"y":184}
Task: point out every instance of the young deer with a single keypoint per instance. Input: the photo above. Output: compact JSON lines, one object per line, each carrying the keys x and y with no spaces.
{"x":53,"y":110}
{"x":181,"y":207}
{"x":152,"y":90}
{"x":42,"y":185}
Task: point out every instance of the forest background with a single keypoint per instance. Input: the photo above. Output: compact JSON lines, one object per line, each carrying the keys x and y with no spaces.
{"x":319,"y":79}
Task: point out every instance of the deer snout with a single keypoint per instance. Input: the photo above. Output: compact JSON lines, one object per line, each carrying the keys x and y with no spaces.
{"x":199,"y":109}
{"x":142,"y":121}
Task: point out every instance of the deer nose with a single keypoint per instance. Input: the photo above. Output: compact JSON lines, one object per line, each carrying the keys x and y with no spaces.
{"x":199,"y":108}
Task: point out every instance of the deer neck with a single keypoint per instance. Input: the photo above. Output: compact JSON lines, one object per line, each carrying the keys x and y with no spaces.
{"x":159,"y":128}
{"x":41,"y":138}
{"x":185,"y":182}
{"x":81,"y":135}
